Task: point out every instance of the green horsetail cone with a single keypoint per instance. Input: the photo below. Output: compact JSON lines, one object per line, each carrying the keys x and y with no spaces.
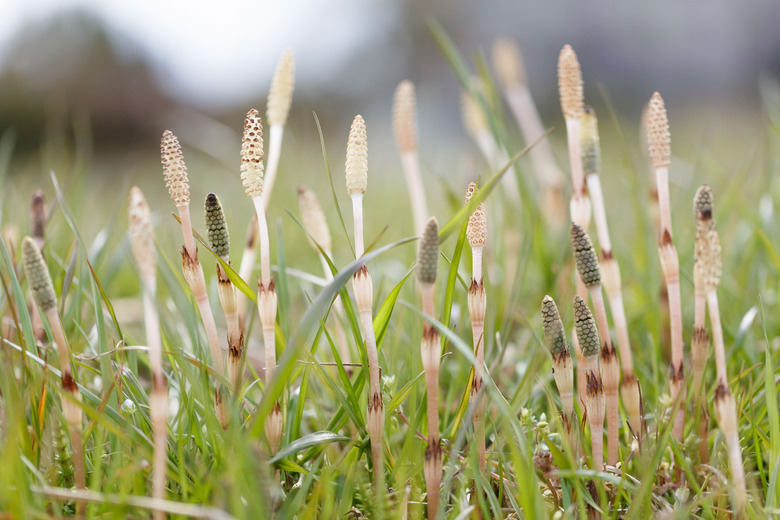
{"x":219,"y":239}
{"x":554,"y":335}
{"x":585,"y":256}
{"x":38,"y":275}
{"x":585,"y":326}
{"x":428,"y":253}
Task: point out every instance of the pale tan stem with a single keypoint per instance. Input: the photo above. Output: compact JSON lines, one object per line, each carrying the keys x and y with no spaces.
{"x":527,"y":116}
{"x":338,"y":305}
{"x":497,"y":158}
{"x":575,"y":161}
{"x":229,"y":301}
{"x":699,"y":348}
{"x":670,"y":264}
{"x":276,"y":134}
{"x":248,"y":259}
{"x":265,"y":252}
{"x":411,"y":167}
{"x":357,"y":215}
{"x":158,"y":401}
{"x":186,"y":229}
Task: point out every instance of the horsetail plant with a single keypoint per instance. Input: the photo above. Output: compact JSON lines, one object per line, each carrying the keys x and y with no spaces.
{"x":508,"y":63}
{"x":356,"y":174}
{"x":248,"y":259}
{"x":39,"y":215}
{"x":590,"y":274}
{"x":277,"y":110}
{"x":252,"y":179}
{"x":476,"y":232}
{"x":219,"y":240}
{"x":176,"y":180}
{"x":405,"y":128}
{"x":725,"y":404}
{"x":45,"y":298}
{"x":555,"y":341}
{"x":702,"y":210}
{"x":659,"y":151}
{"x":315,"y":223}
{"x":570,"y":90}
{"x":142,"y":245}
{"x":427,"y":260}
{"x":610,"y":271}
{"x":588,"y":336}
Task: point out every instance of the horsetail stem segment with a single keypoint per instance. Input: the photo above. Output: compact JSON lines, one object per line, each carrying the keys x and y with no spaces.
{"x":588,"y":336}
{"x":427,"y":260}
{"x":142,"y":245}
{"x":252,"y":179}
{"x":314,"y":221}
{"x":659,"y":151}
{"x":219,"y":240}
{"x":476,"y":233}
{"x":702,"y":210}
{"x":725,"y":405}
{"x":248,"y":259}
{"x":277,"y":110}
{"x":555,"y":341}
{"x":45,"y":298}
{"x":176,"y":179}
{"x":508,"y":64}
{"x":610,"y":271}
{"x":356,"y":174}
{"x":405,"y":128}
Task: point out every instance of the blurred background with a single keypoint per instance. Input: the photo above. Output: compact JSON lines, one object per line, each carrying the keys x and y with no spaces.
{"x":88,"y":86}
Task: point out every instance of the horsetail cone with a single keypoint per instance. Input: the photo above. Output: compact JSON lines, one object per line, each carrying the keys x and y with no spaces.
{"x":474,"y":120}
{"x":508,"y":62}
{"x":38,"y":276}
{"x":405,"y":117}
{"x":428,"y":253}
{"x":280,"y":95}
{"x":590,"y":149}
{"x":476,"y":230}
{"x":314,"y":218}
{"x":570,"y":86}
{"x":585,"y":326}
{"x":216,"y":226}
{"x":585,"y":257}
{"x":141,"y":233}
{"x":174,"y":169}
{"x":252,"y":155}
{"x":554,"y":335}
{"x":657,"y":131}
{"x":357,"y":157}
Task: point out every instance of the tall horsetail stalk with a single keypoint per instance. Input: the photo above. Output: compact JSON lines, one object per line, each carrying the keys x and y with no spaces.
{"x":45,"y":298}
{"x":248,"y":259}
{"x":508,"y":64}
{"x":476,"y":124}
{"x":277,"y":110}
{"x":476,"y":232}
{"x":659,"y":150}
{"x":405,"y":128}
{"x":570,"y":90}
{"x":590,"y":149}
{"x":356,"y":174}
{"x":252,"y":179}
{"x":702,"y":209}
{"x":725,"y":405}
{"x":219,"y":240}
{"x":563,"y":372}
{"x":142,"y":245}
{"x":590,"y":274}
{"x":176,"y":180}
{"x":315,"y":223}
{"x":427,"y":260}
{"x":39,"y":216}
{"x":588,"y":336}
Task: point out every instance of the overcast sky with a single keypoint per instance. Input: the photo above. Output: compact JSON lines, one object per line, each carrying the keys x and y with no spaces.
{"x":229,"y":49}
